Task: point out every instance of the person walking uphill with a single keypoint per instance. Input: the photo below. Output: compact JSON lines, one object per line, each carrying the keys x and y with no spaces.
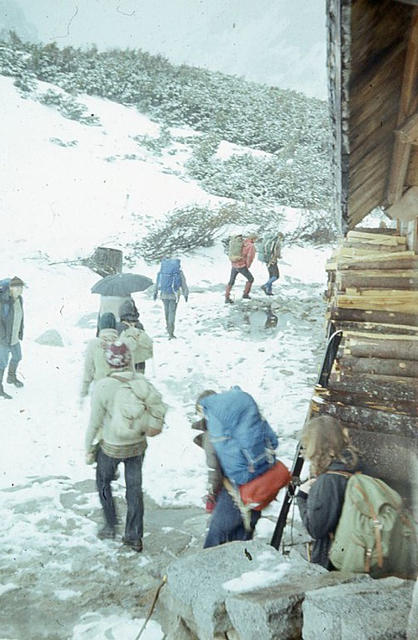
{"x":129,"y":409}
{"x":171,"y":282}
{"x":95,"y":364}
{"x":11,"y":331}
{"x":241,"y":254}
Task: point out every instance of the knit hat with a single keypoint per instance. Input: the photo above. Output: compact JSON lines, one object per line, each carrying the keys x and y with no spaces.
{"x":118,"y":355}
{"x":16,"y":282}
{"x":107,"y":321}
{"x":128,"y":311}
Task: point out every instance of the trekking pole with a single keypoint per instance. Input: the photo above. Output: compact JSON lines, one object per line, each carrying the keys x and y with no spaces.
{"x":151,"y":611}
{"x":334,"y":340}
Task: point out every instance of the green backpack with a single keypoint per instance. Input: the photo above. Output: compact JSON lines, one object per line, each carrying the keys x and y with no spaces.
{"x":235,"y":247}
{"x":375,"y":534}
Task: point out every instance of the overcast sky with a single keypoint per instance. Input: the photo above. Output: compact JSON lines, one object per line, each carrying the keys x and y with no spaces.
{"x":280,"y":42}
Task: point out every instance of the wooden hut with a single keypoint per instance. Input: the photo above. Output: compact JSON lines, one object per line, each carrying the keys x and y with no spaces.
{"x":373,"y":274}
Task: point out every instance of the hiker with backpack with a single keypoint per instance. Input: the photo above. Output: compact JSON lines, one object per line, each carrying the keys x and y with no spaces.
{"x":171,"y":283}
{"x":358,"y":522}
{"x":132,"y":332}
{"x":320,"y":499}
{"x":128,"y":409}
{"x":11,"y":331}
{"x":270,"y":254}
{"x":243,"y":444}
{"x":95,"y":364}
{"x":241,"y":253}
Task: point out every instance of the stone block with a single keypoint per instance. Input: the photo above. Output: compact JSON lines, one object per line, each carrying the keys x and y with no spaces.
{"x":276,"y":612}
{"x":51,"y":338}
{"x":369,"y":610}
{"x":412,"y":633}
{"x":199,"y":584}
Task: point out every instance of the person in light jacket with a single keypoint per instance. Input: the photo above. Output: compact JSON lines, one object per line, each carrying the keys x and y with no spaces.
{"x":128,"y":409}
{"x":95,"y":364}
{"x":11,"y":332}
{"x":131,"y":331}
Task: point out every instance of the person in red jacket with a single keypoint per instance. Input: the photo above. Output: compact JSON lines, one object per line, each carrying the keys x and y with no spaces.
{"x":242,"y":265}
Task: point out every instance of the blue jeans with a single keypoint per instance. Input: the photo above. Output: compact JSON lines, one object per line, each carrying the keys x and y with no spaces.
{"x":226,"y":522}
{"x":15,"y":351}
{"x":106,"y":467}
{"x":170,"y":308}
{"x":273,"y":270}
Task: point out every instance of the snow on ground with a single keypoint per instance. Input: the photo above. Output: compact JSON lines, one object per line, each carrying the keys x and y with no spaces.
{"x":58,"y":203}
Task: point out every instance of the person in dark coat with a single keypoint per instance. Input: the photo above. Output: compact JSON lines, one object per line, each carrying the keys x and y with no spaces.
{"x":11,"y":332}
{"x":320,"y":499}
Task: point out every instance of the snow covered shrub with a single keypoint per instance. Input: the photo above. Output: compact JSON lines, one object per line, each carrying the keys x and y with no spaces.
{"x":26,"y":82}
{"x":184,"y":229}
{"x":316,"y":226}
{"x":69,"y":107}
{"x":157,"y":144}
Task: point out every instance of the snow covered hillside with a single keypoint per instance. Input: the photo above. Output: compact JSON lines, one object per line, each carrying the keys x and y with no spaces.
{"x":67,"y":188}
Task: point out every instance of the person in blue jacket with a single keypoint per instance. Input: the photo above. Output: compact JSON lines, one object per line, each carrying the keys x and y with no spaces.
{"x":244,"y":444}
{"x":170,"y":283}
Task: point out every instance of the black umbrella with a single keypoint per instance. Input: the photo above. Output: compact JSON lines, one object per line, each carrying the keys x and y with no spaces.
{"x":121,"y":284}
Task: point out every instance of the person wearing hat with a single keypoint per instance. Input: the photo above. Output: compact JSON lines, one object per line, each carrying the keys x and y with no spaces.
{"x":128,"y":408}
{"x":95,"y":365}
{"x":131,"y":331}
{"x":11,"y":331}
{"x":242,"y":266}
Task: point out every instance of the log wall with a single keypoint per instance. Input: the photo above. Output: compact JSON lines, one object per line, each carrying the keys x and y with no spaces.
{"x":373,"y":384}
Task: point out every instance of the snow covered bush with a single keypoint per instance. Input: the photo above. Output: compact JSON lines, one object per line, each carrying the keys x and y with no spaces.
{"x":184,"y":229}
{"x":69,"y":107}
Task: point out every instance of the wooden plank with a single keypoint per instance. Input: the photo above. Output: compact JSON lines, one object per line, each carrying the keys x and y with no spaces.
{"x":377,"y":279}
{"x":405,"y":349}
{"x":398,"y":300}
{"x":408,"y":133}
{"x":399,"y":260}
{"x":359,"y":315}
{"x":381,"y":420}
{"x":379,"y":366}
{"x":374,"y":327}
{"x":371,"y":236}
{"x":379,"y":387}
{"x":399,"y":168}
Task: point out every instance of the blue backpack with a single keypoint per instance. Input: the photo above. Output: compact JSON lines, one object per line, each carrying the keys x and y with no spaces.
{"x":169,"y":276}
{"x":244,"y":442}
{"x":4,"y":295}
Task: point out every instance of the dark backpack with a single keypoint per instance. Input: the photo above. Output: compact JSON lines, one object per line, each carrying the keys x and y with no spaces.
{"x":243,"y":441}
{"x":4,"y":295}
{"x":170,"y":275}
{"x":375,"y":534}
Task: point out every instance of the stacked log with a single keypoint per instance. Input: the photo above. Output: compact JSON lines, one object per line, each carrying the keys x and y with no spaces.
{"x":373,"y":385}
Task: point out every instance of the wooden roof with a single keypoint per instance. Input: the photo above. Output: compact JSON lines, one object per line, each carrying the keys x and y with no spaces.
{"x":373,"y":85}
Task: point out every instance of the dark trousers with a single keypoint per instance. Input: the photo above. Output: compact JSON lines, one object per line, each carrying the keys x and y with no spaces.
{"x":243,"y":271}
{"x":226,"y":522}
{"x":106,"y":467}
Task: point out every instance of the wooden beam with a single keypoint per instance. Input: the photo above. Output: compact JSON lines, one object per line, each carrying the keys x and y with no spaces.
{"x":408,"y":133}
{"x":407,"y":107}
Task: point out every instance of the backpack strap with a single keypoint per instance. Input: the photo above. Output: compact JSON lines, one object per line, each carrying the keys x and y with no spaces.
{"x":345,"y":474}
{"x":244,"y":509}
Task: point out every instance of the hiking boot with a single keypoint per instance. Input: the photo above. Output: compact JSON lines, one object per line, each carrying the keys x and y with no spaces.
{"x":135,"y":545}
{"x":264,"y":288}
{"x":229,"y":301}
{"x":3,"y":394}
{"x":171,"y":336}
{"x":269,"y":293}
{"x":246,"y":296}
{"x":106,"y":532}
{"x":11,"y":376}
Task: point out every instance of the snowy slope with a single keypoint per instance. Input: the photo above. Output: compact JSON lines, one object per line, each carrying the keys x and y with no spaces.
{"x":58,"y":203}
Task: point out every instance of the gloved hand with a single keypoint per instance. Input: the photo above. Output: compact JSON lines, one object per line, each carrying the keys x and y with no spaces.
{"x":210,"y":503}
{"x":90,"y":458}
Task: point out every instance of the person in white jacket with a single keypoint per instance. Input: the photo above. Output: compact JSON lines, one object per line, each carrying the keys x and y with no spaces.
{"x":128,"y":409}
